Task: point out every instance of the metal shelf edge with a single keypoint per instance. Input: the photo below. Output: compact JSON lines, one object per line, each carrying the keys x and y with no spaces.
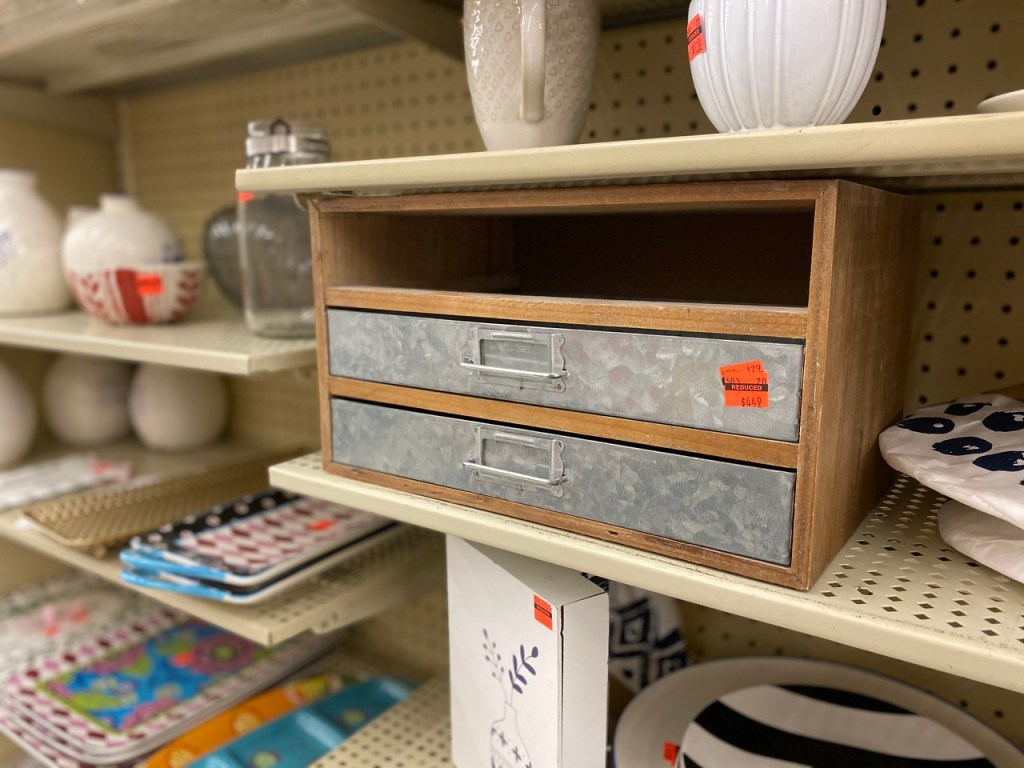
{"x":944,"y":651}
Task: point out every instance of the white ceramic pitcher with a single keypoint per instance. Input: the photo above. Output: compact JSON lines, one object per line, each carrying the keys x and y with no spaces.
{"x":530,"y":65}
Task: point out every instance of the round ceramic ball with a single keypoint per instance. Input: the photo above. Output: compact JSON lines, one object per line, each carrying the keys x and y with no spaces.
{"x":18,"y":417}
{"x":85,"y":400}
{"x":176,"y":410}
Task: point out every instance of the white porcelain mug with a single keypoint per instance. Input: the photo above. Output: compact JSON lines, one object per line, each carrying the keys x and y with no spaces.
{"x":530,"y":65}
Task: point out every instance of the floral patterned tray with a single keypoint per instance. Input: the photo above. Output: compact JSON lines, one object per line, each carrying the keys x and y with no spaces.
{"x":56,"y":610}
{"x":51,"y":750}
{"x":120,"y":693}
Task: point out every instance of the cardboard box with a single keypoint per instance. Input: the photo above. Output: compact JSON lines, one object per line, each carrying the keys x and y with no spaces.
{"x":529,"y":662}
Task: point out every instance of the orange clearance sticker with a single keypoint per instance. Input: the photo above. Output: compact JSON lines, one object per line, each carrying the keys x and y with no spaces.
{"x":695,"y":37}
{"x":320,"y":525}
{"x":149,"y":285}
{"x":669,"y":752}
{"x":745,"y":385}
{"x":542,"y":611}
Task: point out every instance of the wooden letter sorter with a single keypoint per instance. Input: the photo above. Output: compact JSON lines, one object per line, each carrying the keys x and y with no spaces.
{"x":697,"y":370}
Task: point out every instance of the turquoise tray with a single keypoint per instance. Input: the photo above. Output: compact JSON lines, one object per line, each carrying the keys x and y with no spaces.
{"x":299,"y":738}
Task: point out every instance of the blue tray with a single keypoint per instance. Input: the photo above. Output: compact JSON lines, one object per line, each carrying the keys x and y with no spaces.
{"x":301,"y":737}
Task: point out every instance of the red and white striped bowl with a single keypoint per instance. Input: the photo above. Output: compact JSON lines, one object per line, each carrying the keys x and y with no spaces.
{"x":157,"y":293}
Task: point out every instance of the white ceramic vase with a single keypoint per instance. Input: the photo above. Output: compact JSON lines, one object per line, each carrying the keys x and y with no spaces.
{"x":31,"y":278}
{"x":119,"y":235}
{"x":530,"y":65}
{"x":760,"y":64}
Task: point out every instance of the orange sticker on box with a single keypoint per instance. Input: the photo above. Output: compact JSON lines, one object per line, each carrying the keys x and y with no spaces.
{"x":320,"y":525}
{"x":695,"y":37}
{"x":669,"y":752}
{"x":149,"y":285}
{"x":542,"y":611}
{"x":745,"y":385}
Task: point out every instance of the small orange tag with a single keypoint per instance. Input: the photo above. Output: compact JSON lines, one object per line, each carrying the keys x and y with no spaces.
{"x":695,"y":37}
{"x":745,"y":385}
{"x":149,"y":285}
{"x":320,"y":525}
{"x":542,"y":611}
{"x":245,"y":197}
{"x":669,"y":752}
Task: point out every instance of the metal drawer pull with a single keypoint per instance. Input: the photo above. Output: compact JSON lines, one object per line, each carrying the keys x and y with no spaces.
{"x":514,"y":372}
{"x":494,"y":473}
{"x":552,"y":483}
{"x":551,"y":358}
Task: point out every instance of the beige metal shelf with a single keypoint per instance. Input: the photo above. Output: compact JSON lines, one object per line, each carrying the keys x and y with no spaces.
{"x":931,"y":153}
{"x":896,"y":589}
{"x":212,"y":339}
{"x":398,"y":570}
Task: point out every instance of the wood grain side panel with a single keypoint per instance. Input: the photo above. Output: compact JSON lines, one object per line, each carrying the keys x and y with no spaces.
{"x":323,"y":248}
{"x":858,"y":330}
{"x":771,"y":195}
{"x":731,"y":320}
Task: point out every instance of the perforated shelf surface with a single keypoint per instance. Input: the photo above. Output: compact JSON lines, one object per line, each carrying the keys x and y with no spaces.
{"x":392,"y":573}
{"x":212,"y":339}
{"x":896,"y":589}
{"x":957,"y":151}
{"x":413,"y":734}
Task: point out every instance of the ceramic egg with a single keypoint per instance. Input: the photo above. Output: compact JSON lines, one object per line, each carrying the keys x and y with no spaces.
{"x":18,"y":417}
{"x":173,"y":409}
{"x":85,"y":400}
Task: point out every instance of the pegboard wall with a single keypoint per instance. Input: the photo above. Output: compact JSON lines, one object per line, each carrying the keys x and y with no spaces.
{"x":181,"y":146}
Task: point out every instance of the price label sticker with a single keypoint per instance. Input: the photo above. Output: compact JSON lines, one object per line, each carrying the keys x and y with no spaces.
{"x":542,"y":612}
{"x":695,"y":37}
{"x":150,"y":285}
{"x":745,"y":385}
{"x":669,"y":752}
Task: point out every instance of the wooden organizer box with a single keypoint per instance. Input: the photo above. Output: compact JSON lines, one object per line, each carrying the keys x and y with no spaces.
{"x":817,"y":272}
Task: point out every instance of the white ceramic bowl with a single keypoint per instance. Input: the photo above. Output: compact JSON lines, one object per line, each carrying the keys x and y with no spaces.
{"x":782,"y":63}
{"x":160,"y":293}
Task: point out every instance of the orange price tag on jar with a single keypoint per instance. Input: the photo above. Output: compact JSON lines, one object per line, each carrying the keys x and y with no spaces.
{"x":745,"y":385}
{"x":695,"y":37}
{"x":149,"y":285}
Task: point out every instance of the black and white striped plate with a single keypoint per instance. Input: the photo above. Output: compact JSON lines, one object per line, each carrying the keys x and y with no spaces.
{"x":788,"y":713}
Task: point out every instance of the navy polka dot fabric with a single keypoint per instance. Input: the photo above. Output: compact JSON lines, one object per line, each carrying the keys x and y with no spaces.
{"x":971,"y":450}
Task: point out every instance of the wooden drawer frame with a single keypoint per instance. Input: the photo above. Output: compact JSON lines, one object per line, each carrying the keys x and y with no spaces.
{"x":850,"y":309}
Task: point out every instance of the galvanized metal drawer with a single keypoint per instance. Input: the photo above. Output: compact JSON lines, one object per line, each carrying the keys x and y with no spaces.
{"x":665,"y":378}
{"x":737,"y":508}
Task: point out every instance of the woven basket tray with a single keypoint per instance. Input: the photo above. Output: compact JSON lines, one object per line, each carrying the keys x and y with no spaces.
{"x":106,"y":517}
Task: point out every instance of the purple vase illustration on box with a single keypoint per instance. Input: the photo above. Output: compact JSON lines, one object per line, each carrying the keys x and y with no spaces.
{"x":508,"y":749}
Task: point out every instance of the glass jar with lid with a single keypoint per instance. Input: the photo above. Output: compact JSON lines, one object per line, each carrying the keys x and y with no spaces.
{"x":274,"y":237}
